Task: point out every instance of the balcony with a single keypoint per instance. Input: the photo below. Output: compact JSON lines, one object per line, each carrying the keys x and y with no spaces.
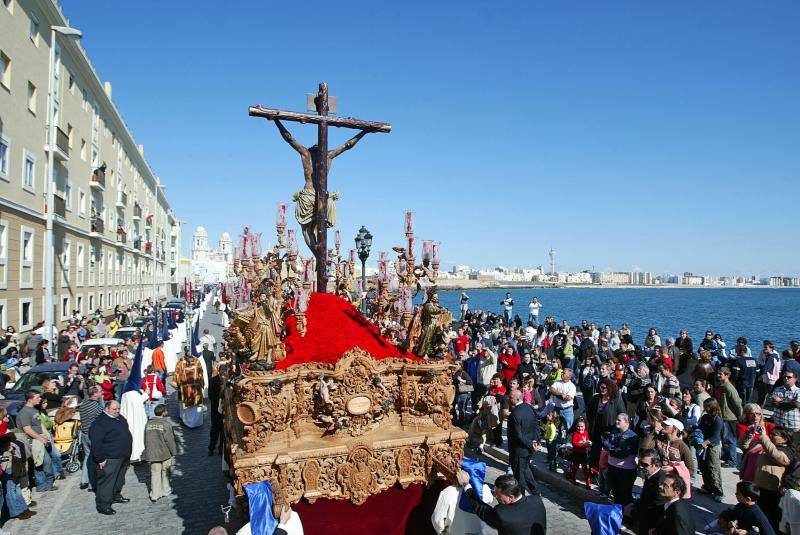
{"x":98,"y":181}
{"x":122,"y":200}
{"x":59,"y":205}
{"x":137,"y":243}
{"x":98,"y":226}
{"x":148,"y":222}
{"x":137,"y":211}
{"x":122,"y":236}
{"x":148,"y":247}
{"x":61,"y":153}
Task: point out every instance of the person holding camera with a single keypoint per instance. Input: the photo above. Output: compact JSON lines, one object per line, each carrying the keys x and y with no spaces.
{"x":749,"y":433}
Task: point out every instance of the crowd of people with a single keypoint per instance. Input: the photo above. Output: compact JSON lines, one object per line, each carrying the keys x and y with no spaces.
{"x":615,"y":407}
{"x":99,"y":414}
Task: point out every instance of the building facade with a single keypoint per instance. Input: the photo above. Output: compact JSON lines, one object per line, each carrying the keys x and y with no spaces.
{"x":208,"y":265}
{"x":116,"y":238}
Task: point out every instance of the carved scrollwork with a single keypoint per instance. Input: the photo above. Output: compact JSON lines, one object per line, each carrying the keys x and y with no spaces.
{"x":359,"y":477}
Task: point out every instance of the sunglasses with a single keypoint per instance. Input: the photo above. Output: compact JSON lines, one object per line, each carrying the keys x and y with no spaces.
{"x":645,"y":465}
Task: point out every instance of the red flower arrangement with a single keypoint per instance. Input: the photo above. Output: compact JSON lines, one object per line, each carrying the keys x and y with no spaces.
{"x":334,"y":327}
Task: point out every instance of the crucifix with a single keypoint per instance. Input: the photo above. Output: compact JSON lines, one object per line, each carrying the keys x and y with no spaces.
{"x":314,"y":206}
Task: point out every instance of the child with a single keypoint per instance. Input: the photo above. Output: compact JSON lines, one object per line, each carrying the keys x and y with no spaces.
{"x":551,"y":439}
{"x":747,"y":513}
{"x":580,"y":453}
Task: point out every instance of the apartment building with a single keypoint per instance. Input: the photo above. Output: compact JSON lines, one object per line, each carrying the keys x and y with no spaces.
{"x":116,"y":239}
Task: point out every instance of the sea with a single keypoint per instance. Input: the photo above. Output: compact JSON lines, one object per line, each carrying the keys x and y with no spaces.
{"x":756,"y":313}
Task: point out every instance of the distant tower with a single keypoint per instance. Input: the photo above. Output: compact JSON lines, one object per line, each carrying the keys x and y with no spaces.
{"x":552,"y":255}
{"x":226,"y":247}
{"x":199,"y":244}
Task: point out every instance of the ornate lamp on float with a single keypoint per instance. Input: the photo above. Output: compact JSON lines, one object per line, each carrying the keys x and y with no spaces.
{"x":301,"y":306}
{"x":363,"y":245}
{"x":280,"y":225}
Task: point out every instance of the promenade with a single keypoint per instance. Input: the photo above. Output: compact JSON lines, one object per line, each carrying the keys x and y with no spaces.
{"x":198,"y":490}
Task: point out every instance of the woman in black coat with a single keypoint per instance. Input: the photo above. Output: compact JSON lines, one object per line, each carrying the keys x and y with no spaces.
{"x":601,"y":415}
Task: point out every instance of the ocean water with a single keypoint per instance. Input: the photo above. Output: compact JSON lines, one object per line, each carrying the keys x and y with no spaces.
{"x":756,"y":313}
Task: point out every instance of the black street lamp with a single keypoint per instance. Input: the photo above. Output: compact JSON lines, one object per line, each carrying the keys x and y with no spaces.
{"x":363,"y":244}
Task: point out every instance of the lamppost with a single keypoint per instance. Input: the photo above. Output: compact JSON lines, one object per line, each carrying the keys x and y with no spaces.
{"x":363,"y":244}
{"x":49,"y":237}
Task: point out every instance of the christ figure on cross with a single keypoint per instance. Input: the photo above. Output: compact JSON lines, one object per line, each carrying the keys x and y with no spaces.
{"x":304,"y":199}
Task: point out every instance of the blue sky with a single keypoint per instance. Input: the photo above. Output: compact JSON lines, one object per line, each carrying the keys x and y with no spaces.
{"x":663,"y":136}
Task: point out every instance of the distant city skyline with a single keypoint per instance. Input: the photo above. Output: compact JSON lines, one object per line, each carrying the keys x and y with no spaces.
{"x":663,"y":136}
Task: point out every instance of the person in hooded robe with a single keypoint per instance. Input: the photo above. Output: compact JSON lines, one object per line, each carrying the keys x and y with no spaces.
{"x":189,"y":380}
{"x":132,"y":407}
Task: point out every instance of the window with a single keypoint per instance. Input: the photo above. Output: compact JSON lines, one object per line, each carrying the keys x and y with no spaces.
{"x":66,"y":262}
{"x":29,"y":172}
{"x":69,"y":135}
{"x":90,"y":308}
{"x":3,"y":314}
{"x":102,"y":271}
{"x":110,"y":274}
{"x":5,"y":156}
{"x":5,"y":70}
{"x":34,"y":28}
{"x":25,"y":313}
{"x":27,"y":242}
{"x":32,"y":98}
{"x":7,"y":3}
{"x":108,"y":300}
{"x":83,"y":150}
{"x":79,"y":303}
{"x":81,"y":203}
{"x":71,"y":84}
{"x":100,"y":302}
{"x":65,"y":311}
{"x":3,"y":254}
{"x":68,"y":193}
{"x":91,"y":268}
{"x":80,"y":261}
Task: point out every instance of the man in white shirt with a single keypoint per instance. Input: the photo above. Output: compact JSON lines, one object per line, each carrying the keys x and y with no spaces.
{"x":450,"y":519}
{"x":207,"y":338}
{"x":563,"y":396}
{"x":533,"y":314}
{"x":488,"y":364}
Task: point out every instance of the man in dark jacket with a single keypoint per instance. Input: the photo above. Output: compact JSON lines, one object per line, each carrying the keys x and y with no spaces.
{"x":646,"y":511}
{"x":677,"y":519}
{"x":111,"y":452}
{"x":514,"y":514}
{"x":214,"y":393}
{"x":523,"y":438}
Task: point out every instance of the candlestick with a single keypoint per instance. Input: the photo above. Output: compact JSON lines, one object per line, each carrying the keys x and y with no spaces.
{"x":337,"y":241}
{"x":280,"y":218}
{"x":409,"y":222}
{"x":291,"y":243}
{"x":436,"y":252}
{"x":411,"y":253}
{"x":427,"y":250}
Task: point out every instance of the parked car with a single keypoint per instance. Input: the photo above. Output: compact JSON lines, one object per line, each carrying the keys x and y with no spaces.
{"x":126,"y":333}
{"x":99,"y":342}
{"x":141,"y":321}
{"x":33,"y":379}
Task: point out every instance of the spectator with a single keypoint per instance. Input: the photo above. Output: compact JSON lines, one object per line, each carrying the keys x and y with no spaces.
{"x":602,"y":413}
{"x":111,"y":451}
{"x":785,"y":403}
{"x":709,"y":458}
{"x":749,"y":433}
{"x":622,"y":447}
{"x":580,"y":453}
{"x":562,"y":394}
{"x":771,"y":465}
{"x":770,"y":371}
{"x":675,"y":454}
{"x":730,"y":407}
{"x":747,"y":514}
{"x":646,"y":511}
{"x":677,"y":518}
{"x":748,"y":372}
{"x":29,"y":420}
{"x":159,"y":450}
{"x":43,"y":353}
{"x":89,"y":410}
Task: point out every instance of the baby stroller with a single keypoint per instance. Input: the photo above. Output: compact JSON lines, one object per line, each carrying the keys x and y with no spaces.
{"x":66,"y":436}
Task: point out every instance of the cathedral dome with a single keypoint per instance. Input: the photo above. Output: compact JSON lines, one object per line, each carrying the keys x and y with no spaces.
{"x":225,"y":237}
{"x":200,"y":231}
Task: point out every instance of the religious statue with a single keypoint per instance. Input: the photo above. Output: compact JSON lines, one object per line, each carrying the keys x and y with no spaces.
{"x":305,"y":199}
{"x":427,"y":329}
{"x":262,"y":326}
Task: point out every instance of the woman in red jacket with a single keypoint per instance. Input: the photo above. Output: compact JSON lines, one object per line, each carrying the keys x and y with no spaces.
{"x":510,"y":361}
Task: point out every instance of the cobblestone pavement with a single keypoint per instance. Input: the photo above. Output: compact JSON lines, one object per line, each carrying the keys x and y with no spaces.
{"x":198,"y":491}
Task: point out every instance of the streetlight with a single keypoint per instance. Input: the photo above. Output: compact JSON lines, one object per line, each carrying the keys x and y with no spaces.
{"x":49,"y":238}
{"x":363,"y":244}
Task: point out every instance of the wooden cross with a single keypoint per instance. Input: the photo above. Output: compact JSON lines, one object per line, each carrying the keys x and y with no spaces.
{"x":321,"y":161}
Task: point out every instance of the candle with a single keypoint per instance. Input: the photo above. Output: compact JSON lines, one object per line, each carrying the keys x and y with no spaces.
{"x":280,"y":219}
{"x":345,"y":270}
{"x":337,"y":239}
{"x":382,"y":265}
{"x":302,"y":300}
{"x":292,"y":242}
{"x":427,"y":250}
{"x":309,"y":274}
{"x":352,"y":256}
{"x":402,"y":267}
{"x":436,"y":252}
{"x":411,"y":241}
{"x":409,"y":222}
